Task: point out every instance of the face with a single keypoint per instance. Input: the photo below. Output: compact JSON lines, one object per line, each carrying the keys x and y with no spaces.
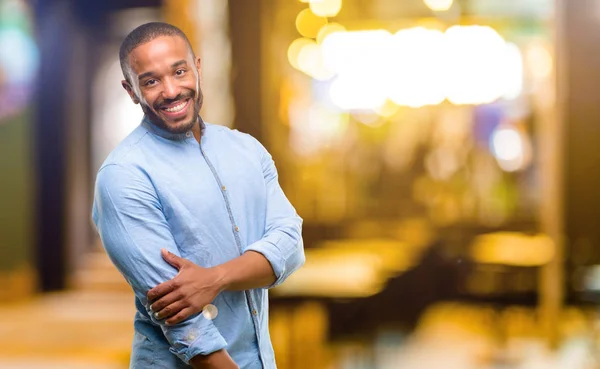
{"x":165,"y":81}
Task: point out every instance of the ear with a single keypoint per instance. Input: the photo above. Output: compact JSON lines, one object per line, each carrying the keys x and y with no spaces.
{"x":129,"y":90}
{"x":199,"y":65}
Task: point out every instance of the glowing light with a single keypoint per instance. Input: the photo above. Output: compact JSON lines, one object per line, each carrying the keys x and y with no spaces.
{"x":329,"y":29}
{"x":294,"y":51}
{"x":361,"y":81}
{"x":357,"y":94}
{"x":346,"y":277}
{"x":475,"y":56}
{"x":314,"y":127}
{"x":513,"y":249}
{"x":539,"y":61}
{"x":388,"y":109}
{"x":415,"y":68}
{"x":19,"y":58}
{"x":359,"y":52}
{"x":310,"y":61}
{"x":326,"y":8}
{"x":439,"y":5}
{"x":507,"y":145}
{"x":511,"y":148}
{"x":308,"y":24}
{"x":513,"y":72}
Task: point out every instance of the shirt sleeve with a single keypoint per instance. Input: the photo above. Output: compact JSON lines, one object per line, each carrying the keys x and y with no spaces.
{"x":133,"y":229}
{"x":282,"y":243}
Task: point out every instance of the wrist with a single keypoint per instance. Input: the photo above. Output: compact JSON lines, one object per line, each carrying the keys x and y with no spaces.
{"x":221,"y":277}
{"x":217,"y":360}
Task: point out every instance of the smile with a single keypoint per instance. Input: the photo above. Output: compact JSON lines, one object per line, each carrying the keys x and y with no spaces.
{"x":177,"y":108}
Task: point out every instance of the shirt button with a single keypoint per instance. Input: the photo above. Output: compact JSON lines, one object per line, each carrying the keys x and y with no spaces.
{"x":237,"y":229}
{"x":188,"y":134}
{"x":254,"y":312}
{"x":223,"y":188}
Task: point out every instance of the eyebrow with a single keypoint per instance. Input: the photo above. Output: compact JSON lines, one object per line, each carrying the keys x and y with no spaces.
{"x":173,"y":66}
{"x":178,"y":64}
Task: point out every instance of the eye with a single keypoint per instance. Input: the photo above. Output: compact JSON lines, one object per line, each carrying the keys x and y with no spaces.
{"x":180,"y":72}
{"x":150,"y":82}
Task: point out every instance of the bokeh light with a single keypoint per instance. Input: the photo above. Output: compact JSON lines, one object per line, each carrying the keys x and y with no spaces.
{"x":326,"y":8}
{"x":329,"y":29}
{"x":439,"y":5}
{"x":294,"y":51}
{"x":415,"y":69}
{"x":19,"y":57}
{"x":511,"y":148}
{"x":308,"y":24}
{"x":476,"y":61}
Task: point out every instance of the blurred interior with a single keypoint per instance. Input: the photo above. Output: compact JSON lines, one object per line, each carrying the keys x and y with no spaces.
{"x":442,"y":154}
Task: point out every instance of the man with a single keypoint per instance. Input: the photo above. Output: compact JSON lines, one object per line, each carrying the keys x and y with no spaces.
{"x":193,"y":216}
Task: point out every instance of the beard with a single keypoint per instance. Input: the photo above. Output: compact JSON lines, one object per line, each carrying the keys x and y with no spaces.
{"x":155,"y":118}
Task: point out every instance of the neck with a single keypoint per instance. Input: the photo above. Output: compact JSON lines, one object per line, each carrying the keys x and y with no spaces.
{"x":198,"y":128}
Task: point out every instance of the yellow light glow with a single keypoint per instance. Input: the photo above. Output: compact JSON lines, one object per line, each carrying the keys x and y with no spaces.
{"x":326,"y":8}
{"x":387,"y":110}
{"x":416,"y":70}
{"x":358,"y":94}
{"x":360,"y":62}
{"x":308,"y":24}
{"x":439,"y":5}
{"x":475,"y":63}
{"x":329,"y":29}
{"x":513,"y":249}
{"x":310,"y":61}
{"x":415,"y":67}
{"x":315,"y":127}
{"x":334,"y":275}
{"x":539,"y":61}
{"x":358,"y":51}
{"x":294,"y":51}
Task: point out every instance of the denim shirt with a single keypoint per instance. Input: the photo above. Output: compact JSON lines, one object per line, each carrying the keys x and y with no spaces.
{"x":209,"y":203}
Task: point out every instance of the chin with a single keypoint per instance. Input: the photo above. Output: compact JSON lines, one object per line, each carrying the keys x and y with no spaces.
{"x":179,"y":127}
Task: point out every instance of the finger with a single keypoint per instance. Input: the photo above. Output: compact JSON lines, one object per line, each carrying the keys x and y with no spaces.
{"x":165,"y":300}
{"x":180,"y":317}
{"x":170,"y":310}
{"x":162,"y":289}
{"x":173,"y":259}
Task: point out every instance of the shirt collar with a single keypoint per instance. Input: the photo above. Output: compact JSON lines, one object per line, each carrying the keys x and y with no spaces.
{"x":153,"y":128}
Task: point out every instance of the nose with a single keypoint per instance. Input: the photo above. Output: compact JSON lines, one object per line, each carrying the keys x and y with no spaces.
{"x":171,"y":89}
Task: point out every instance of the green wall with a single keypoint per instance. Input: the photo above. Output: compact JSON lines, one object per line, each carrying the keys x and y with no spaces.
{"x":16,"y":192}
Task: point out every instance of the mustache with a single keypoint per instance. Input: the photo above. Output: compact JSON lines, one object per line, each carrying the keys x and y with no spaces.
{"x":183,"y":96}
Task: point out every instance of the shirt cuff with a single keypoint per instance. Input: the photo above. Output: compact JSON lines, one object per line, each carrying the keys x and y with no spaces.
{"x":201,"y":339}
{"x":273,"y":255}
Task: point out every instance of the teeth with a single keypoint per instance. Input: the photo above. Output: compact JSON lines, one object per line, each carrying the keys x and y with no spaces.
{"x":176,"y":108}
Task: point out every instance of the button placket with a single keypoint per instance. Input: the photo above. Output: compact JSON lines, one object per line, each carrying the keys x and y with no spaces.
{"x":254,"y":312}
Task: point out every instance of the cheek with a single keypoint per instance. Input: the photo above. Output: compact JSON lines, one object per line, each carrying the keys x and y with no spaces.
{"x":148,"y":98}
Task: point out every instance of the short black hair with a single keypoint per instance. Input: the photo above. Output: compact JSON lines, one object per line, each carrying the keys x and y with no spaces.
{"x":146,"y":33}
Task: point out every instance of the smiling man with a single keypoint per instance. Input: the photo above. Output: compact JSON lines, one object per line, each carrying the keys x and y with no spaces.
{"x":193,"y":216}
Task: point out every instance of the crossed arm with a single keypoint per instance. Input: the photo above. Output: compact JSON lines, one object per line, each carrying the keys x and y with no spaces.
{"x":133,"y":229}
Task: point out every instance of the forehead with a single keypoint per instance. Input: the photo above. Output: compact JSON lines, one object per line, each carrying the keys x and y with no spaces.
{"x":158,"y":53}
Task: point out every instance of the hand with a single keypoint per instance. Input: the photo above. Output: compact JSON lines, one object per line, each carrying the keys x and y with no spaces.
{"x":187,"y":293}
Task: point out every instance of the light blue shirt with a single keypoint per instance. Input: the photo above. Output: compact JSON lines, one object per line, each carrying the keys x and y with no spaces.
{"x":209,"y":203}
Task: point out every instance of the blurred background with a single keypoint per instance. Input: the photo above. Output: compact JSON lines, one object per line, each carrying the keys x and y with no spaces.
{"x":442,"y":153}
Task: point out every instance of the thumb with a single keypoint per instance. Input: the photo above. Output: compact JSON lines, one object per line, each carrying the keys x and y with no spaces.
{"x":172,"y":259}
